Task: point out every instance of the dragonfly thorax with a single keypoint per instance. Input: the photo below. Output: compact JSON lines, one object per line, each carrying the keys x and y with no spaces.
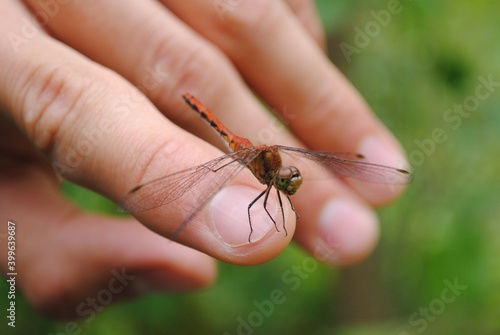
{"x":288,"y":180}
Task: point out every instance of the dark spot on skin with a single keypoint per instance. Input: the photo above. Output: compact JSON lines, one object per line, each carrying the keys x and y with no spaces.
{"x":137,"y":188}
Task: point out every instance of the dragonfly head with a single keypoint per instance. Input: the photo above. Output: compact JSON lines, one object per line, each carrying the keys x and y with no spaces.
{"x":288,"y":180}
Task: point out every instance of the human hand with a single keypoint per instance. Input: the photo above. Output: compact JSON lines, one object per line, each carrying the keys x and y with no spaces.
{"x":95,"y":128}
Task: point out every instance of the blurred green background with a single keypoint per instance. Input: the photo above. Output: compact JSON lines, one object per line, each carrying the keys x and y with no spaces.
{"x":444,"y":231}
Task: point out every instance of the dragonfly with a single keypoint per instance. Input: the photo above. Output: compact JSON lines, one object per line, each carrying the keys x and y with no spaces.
{"x":265,"y":162}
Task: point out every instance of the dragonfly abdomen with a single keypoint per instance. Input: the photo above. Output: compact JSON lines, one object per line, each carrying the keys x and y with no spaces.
{"x":208,"y":116}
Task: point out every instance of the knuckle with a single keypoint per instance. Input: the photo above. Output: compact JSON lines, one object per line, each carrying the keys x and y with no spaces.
{"x":51,"y":98}
{"x":195,"y":66}
{"x":153,"y":158}
{"x":198,"y":68}
{"x":324,"y":102}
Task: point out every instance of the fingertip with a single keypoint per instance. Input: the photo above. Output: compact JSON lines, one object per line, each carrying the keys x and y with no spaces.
{"x":348,"y":232}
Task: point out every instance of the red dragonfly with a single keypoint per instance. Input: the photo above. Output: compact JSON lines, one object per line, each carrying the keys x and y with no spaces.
{"x":266,"y":164}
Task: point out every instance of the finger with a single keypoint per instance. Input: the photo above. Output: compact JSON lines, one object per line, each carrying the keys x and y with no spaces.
{"x":65,"y":258}
{"x":279,"y":59}
{"x":102,"y":133}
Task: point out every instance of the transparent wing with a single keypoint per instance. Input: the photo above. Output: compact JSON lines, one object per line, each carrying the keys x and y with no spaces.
{"x":350,"y":165}
{"x":208,"y":178}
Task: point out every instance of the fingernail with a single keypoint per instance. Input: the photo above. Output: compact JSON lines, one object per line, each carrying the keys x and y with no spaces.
{"x":229,"y":210}
{"x":382,"y":152}
{"x":349,"y":230}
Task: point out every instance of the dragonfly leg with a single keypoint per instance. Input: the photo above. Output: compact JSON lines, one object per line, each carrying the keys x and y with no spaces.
{"x":229,"y":163}
{"x":266,"y":191}
{"x":297,"y":216}
{"x":282,"y":212}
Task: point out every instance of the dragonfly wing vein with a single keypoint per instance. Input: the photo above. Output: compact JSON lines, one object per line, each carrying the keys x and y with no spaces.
{"x":352,"y":167}
{"x":164,"y":190}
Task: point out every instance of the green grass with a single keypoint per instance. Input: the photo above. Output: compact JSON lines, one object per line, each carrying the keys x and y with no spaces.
{"x":446,"y":226}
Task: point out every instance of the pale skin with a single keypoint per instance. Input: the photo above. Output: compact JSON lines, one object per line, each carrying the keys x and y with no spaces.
{"x":71,"y":84}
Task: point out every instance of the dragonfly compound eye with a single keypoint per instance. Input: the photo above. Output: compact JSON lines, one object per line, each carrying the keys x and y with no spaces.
{"x":288,"y":180}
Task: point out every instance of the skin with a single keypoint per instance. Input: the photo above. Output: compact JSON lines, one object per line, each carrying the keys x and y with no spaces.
{"x":106,"y":78}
